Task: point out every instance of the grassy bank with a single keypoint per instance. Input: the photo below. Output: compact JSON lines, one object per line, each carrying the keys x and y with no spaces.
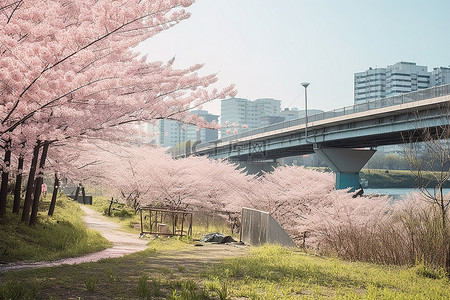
{"x":63,"y":235}
{"x":395,"y":179}
{"x":174,"y":268}
{"x":272,"y":272}
{"x":269,"y":272}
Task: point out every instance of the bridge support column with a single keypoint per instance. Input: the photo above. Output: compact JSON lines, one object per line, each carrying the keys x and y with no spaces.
{"x":346,"y":164}
{"x":257,"y":167}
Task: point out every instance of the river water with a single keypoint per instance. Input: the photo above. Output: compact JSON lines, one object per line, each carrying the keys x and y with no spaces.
{"x":395,"y":193}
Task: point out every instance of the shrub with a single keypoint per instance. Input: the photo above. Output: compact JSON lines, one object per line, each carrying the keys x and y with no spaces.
{"x":123,"y":213}
{"x":375,"y":230}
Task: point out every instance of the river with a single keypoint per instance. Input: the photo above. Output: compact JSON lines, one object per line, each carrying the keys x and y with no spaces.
{"x":395,"y":193}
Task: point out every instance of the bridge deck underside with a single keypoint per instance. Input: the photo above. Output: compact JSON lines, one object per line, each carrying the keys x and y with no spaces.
{"x":361,"y":133}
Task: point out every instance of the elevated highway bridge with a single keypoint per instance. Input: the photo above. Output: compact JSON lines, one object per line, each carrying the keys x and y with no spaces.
{"x":344,"y":138}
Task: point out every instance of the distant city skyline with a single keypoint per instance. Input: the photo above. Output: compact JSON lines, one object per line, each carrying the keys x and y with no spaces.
{"x":267,"y":48}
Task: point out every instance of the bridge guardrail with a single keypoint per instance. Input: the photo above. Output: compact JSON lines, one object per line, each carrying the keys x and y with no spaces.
{"x":422,"y":94}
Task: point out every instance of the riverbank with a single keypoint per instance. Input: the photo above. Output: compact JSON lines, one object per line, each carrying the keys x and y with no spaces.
{"x":389,"y":179}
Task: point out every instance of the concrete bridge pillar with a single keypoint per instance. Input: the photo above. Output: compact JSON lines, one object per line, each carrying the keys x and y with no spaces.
{"x":257,"y":167}
{"x":346,"y":164}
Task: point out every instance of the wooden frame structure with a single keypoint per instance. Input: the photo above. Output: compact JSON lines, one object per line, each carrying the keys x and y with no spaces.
{"x":180,"y":221}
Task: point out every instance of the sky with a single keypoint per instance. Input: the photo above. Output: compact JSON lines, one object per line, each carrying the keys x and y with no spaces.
{"x":268,"y":47}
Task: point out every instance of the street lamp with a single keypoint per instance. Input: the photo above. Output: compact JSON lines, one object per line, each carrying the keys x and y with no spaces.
{"x":305,"y":85}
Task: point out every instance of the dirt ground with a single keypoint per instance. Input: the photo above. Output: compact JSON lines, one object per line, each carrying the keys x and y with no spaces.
{"x":125,"y":243}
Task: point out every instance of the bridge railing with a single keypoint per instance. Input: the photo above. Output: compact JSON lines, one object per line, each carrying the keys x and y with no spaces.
{"x":422,"y":94}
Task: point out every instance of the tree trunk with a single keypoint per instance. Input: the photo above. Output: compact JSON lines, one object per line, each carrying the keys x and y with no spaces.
{"x":38,"y":184}
{"x":83,"y":194}
{"x":54,"y":195}
{"x":447,"y":261}
{"x":30,"y":182}
{"x":5,"y":177}
{"x":110,"y":205}
{"x":77,"y":192}
{"x":18,"y":187}
{"x":446,"y":236}
{"x":445,"y":231}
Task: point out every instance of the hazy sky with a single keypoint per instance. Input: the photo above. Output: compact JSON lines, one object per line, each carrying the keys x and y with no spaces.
{"x":268,"y":47}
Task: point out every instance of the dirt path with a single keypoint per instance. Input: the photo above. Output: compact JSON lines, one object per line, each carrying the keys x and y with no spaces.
{"x":126,"y":243}
{"x":123,"y":244}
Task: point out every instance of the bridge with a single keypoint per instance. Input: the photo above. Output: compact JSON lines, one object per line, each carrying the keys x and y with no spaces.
{"x":344,"y":138}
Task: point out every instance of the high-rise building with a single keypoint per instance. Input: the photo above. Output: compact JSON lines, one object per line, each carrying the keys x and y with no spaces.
{"x":234,"y":110}
{"x":396,"y":79}
{"x":440,"y":76}
{"x":404,"y":77}
{"x":202,"y":134}
{"x":294,"y":113}
{"x":172,"y":132}
{"x":239,"y":111}
{"x":370,"y":85}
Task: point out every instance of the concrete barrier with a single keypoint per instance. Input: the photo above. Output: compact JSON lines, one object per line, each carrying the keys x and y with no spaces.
{"x":258,"y":228}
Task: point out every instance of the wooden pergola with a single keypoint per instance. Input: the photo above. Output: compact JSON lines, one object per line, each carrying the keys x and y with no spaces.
{"x":164,"y":221}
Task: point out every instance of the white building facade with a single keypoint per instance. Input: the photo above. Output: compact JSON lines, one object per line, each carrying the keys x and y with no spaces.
{"x":402,"y":77}
{"x":440,"y":76}
{"x":172,"y":132}
{"x":370,"y":85}
{"x":239,"y":111}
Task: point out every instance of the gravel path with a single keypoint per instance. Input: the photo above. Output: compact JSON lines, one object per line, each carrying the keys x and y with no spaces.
{"x":124,"y":243}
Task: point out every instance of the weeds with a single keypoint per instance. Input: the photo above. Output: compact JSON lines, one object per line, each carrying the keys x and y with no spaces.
{"x":91,"y":284}
{"x":16,"y":290}
{"x":149,"y":289}
{"x":111,"y":275}
{"x":143,"y":287}
{"x":429,"y":272}
{"x":173,"y":295}
{"x":191,"y":291}
{"x":221,"y":289}
{"x":166,"y":270}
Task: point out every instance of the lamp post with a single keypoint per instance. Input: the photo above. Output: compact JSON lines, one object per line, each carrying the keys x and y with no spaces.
{"x":305,"y":85}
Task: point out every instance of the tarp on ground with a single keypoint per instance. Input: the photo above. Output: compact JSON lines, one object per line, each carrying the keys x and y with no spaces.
{"x":216,"y":237}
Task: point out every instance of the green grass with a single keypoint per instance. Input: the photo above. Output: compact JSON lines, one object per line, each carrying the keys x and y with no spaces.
{"x":120,"y":213}
{"x":272,"y":272}
{"x":63,"y":235}
{"x":268,"y":272}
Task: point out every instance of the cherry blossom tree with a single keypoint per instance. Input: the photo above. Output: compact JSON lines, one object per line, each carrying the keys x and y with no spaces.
{"x":152,"y":177}
{"x":291,"y":194}
{"x":302,"y":200}
{"x":67,"y":71}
